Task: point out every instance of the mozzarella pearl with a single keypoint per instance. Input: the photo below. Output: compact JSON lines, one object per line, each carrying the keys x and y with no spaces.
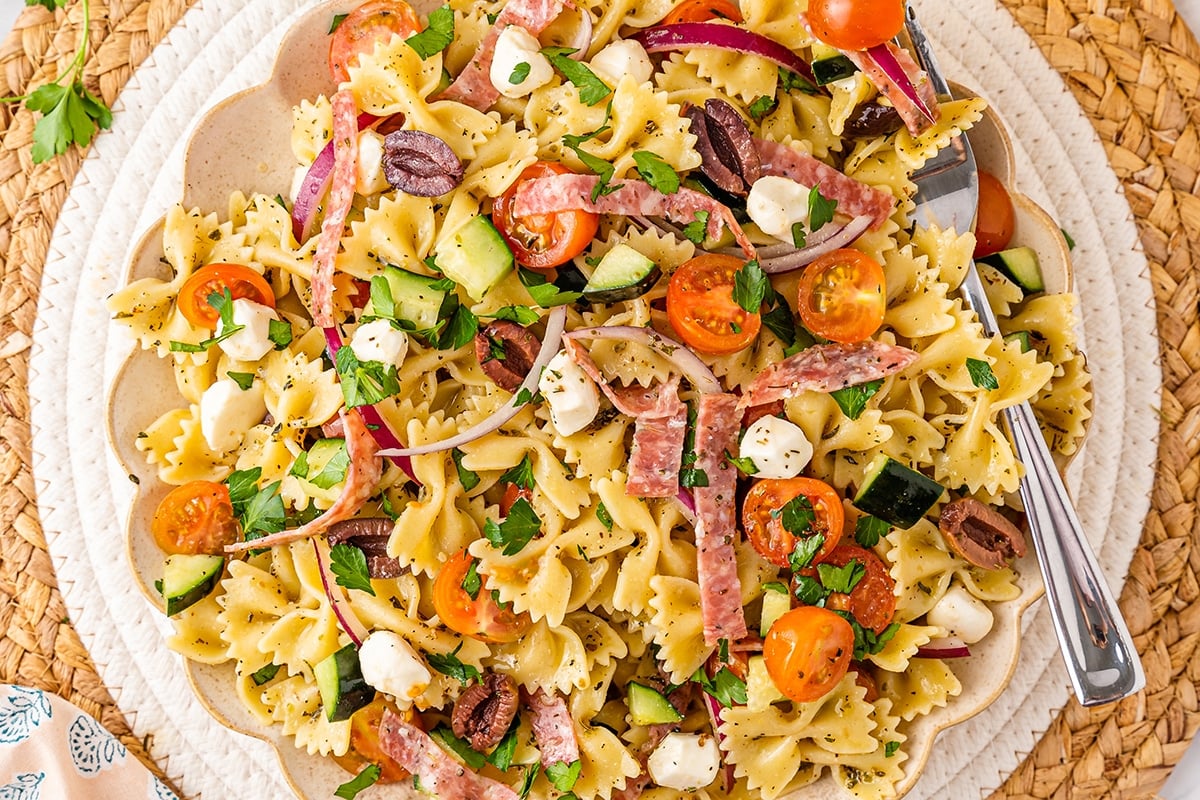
{"x":685,"y":761}
{"x":778,"y":448}
{"x":962,"y":614}
{"x":776,"y":204}
{"x":623,"y":57}
{"x":253,"y":341}
{"x":378,"y":340}
{"x":227,"y":411}
{"x":390,"y":664}
{"x":571,"y":395}
{"x":369,"y":177}
{"x":516,"y":46}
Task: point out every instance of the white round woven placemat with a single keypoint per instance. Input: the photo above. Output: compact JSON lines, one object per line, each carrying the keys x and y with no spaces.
{"x":134,"y":172}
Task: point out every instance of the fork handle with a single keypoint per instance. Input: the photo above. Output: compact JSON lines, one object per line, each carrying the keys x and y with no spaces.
{"x":1101,"y":658}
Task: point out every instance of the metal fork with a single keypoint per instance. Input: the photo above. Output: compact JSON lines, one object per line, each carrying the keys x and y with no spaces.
{"x":1100,"y":657}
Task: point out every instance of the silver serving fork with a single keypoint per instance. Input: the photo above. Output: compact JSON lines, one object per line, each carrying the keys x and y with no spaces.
{"x":1100,"y":657}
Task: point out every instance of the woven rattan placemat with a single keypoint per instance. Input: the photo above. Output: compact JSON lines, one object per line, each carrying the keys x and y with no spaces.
{"x":1134,"y":68}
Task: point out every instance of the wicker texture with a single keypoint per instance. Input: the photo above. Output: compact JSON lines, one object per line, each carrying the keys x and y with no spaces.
{"x":1133,"y":67}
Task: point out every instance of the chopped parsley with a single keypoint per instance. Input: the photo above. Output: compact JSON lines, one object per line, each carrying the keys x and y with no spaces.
{"x":696,"y":230}
{"x":435,"y":38}
{"x":466,"y":477}
{"x":982,"y":375}
{"x":751,"y":287}
{"x":591,"y":89}
{"x":869,"y":530}
{"x":544,"y":293}
{"x":852,"y":400}
{"x":656,"y":172}
{"x":450,"y":665}
{"x":519,"y":74}
{"x":805,"y":550}
{"x":521,"y":474}
{"x":604,"y":516}
{"x":349,"y":564}
{"x":364,"y":383}
{"x":350,"y":789}
{"x":517,"y":529}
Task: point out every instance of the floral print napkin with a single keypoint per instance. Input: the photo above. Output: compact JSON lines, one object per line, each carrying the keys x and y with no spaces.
{"x":50,"y":749}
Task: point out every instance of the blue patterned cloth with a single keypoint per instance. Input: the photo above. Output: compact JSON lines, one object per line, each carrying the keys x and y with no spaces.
{"x":49,"y":749}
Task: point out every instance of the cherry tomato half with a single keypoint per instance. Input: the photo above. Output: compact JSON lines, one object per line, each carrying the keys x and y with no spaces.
{"x":481,"y":618}
{"x":543,"y":241}
{"x":855,"y":24}
{"x":807,"y":652}
{"x":703,"y":11}
{"x":241,"y":281}
{"x":763,"y":522}
{"x":842,"y":296}
{"x":513,"y":493}
{"x":995,"y":219}
{"x":196,"y":517}
{"x":872,"y":601}
{"x":373,"y":21}
{"x":365,"y":748}
{"x":701,"y":308}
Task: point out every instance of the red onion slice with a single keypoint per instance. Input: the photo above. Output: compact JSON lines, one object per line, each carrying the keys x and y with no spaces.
{"x":582,"y":42}
{"x":883,"y":56}
{"x":688,"y":35}
{"x":695,"y":370}
{"x":830,"y":237}
{"x":315,"y":186}
{"x":947,"y":647}
{"x":687,"y":504}
{"x":371,"y":416}
{"x":346,"y":617}
{"x":555,"y":323}
{"x":714,"y":714}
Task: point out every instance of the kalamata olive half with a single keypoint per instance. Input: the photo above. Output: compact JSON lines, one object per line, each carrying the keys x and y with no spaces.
{"x":872,"y":119}
{"x":732,"y":140}
{"x":420,"y":164}
{"x":710,"y":163}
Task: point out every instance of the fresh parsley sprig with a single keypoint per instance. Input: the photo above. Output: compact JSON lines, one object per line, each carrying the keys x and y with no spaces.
{"x":70,"y":113}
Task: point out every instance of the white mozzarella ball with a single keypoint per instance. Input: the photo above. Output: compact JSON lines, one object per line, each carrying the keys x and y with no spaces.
{"x":253,"y":341}
{"x":227,"y":411}
{"x":776,"y":204}
{"x":778,"y":448}
{"x":369,"y":178}
{"x":391,"y":665}
{"x":620,"y":58}
{"x":571,"y":395}
{"x":685,"y":761}
{"x":378,"y":340}
{"x":516,"y":47}
{"x":962,"y":614}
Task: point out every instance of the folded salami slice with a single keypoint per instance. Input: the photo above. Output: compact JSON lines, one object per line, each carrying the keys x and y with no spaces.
{"x":440,"y":774}
{"x":717,"y":425}
{"x":362,"y":476}
{"x":572,"y":192}
{"x":826,"y":368}
{"x":341,"y":196}
{"x":473,"y":86}
{"x":854,"y":198}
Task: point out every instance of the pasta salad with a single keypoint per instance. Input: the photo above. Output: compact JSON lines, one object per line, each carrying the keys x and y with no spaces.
{"x":590,"y":420}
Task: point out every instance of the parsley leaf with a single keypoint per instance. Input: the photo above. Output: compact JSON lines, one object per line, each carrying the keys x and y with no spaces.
{"x":471,"y":582}
{"x":775,"y":586}
{"x":696,"y":230}
{"x":597,"y":165}
{"x":242,"y":485}
{"x":805,"y":550}
{"x":70,"y":115}
{"x":501,"y":757}
{"x":350,"y":789}
{"x":435,"y":38}
{"x":531,"y":773}
{"x":797,"y":516}
{"x":792,"y":80}
{"x":336,"y":22}
{"x":692,"y":477}
{"x":450,"y":665}
{"x":1067,"y":236}
{"x":890,"y":749}
{"x":591,"y":89}
{"x":656,"y":172}
{"x":279,"y":331}
{"x":461,"y":325}
{"x":982,"y":375}
{"x":517,"y":529}
{"x":604,"y":516}
{"x":745,"y":464}
{"x":820,"y":209}
{"x":852,"y":400}
{"x":519,"y":74}
{"x":382,"y":302}
{"x":544,"y":293}
{"x":751,"y":287}
{"x":799,"y":235}
{"x":364,"y":383}
{"x":869,"y":530}
{"x":349,"y":564}
{"x":445,"y":737}
{"x":564,"y":775}
{"x":842,"y":579}
{"x":244,"y":380}
{"x":866,"y":641}
{"x":522,"y":315}
{"x":725,"y":687}
{"x":779,"y":321}
{"x":521,"y":474}
{"x":265,"y":674}
{"x":809,"y":590}
{"x":466,"y":477}
{"x":264,"y":513}
{"x":761,"y":106}
{"x":334,"y":471}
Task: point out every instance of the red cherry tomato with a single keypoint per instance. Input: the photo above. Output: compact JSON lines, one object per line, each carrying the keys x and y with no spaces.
{"x":365,"y":748}
{"x":479,"y":617}
{"x":872,"y":601}
{"x":241,"y":281}
{"x":703,"y":11}
{"x":701,"y":308}
{"x":373,"y":21}
{"x":763,"y":522}
{"x":196,"y":517}
{"x":543,"y":241}
{"x":807,"y":652}
{"x":995,"y":219}
{"x":855,"y":24}
{"x":842,"y":296}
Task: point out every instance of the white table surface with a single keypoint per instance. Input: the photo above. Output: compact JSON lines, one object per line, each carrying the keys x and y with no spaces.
{"x":1186,"y":776}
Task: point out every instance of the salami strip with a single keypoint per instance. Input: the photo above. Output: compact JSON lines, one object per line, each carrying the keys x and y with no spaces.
{"x":914,"y":119}
{"x":853,"y":197}
{"x":553,"y":729}
{"x":826,"y":368}
{"x":572,"y":192}
{"x":659,"y":400}
{"x":473,"y":86}
{"x":362,"y":476}
{"x":440,"y":775}
{"x":341,"y":196}
{"x":657,"y":454}
{"x":717,"y":425}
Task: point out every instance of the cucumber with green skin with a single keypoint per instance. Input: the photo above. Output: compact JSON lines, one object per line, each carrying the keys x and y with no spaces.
{"x":1021,"y":265}
{"x":188,"y":579}
{"x":1022,"y":338}
{"x":622,"y":274}
{"x":341,"y":683}
{"x":829,"y":65}
{"x":415,"y":298}
{"x":475,"y":256}
{"x":649,"y":707}
{"x":895,"y":493}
